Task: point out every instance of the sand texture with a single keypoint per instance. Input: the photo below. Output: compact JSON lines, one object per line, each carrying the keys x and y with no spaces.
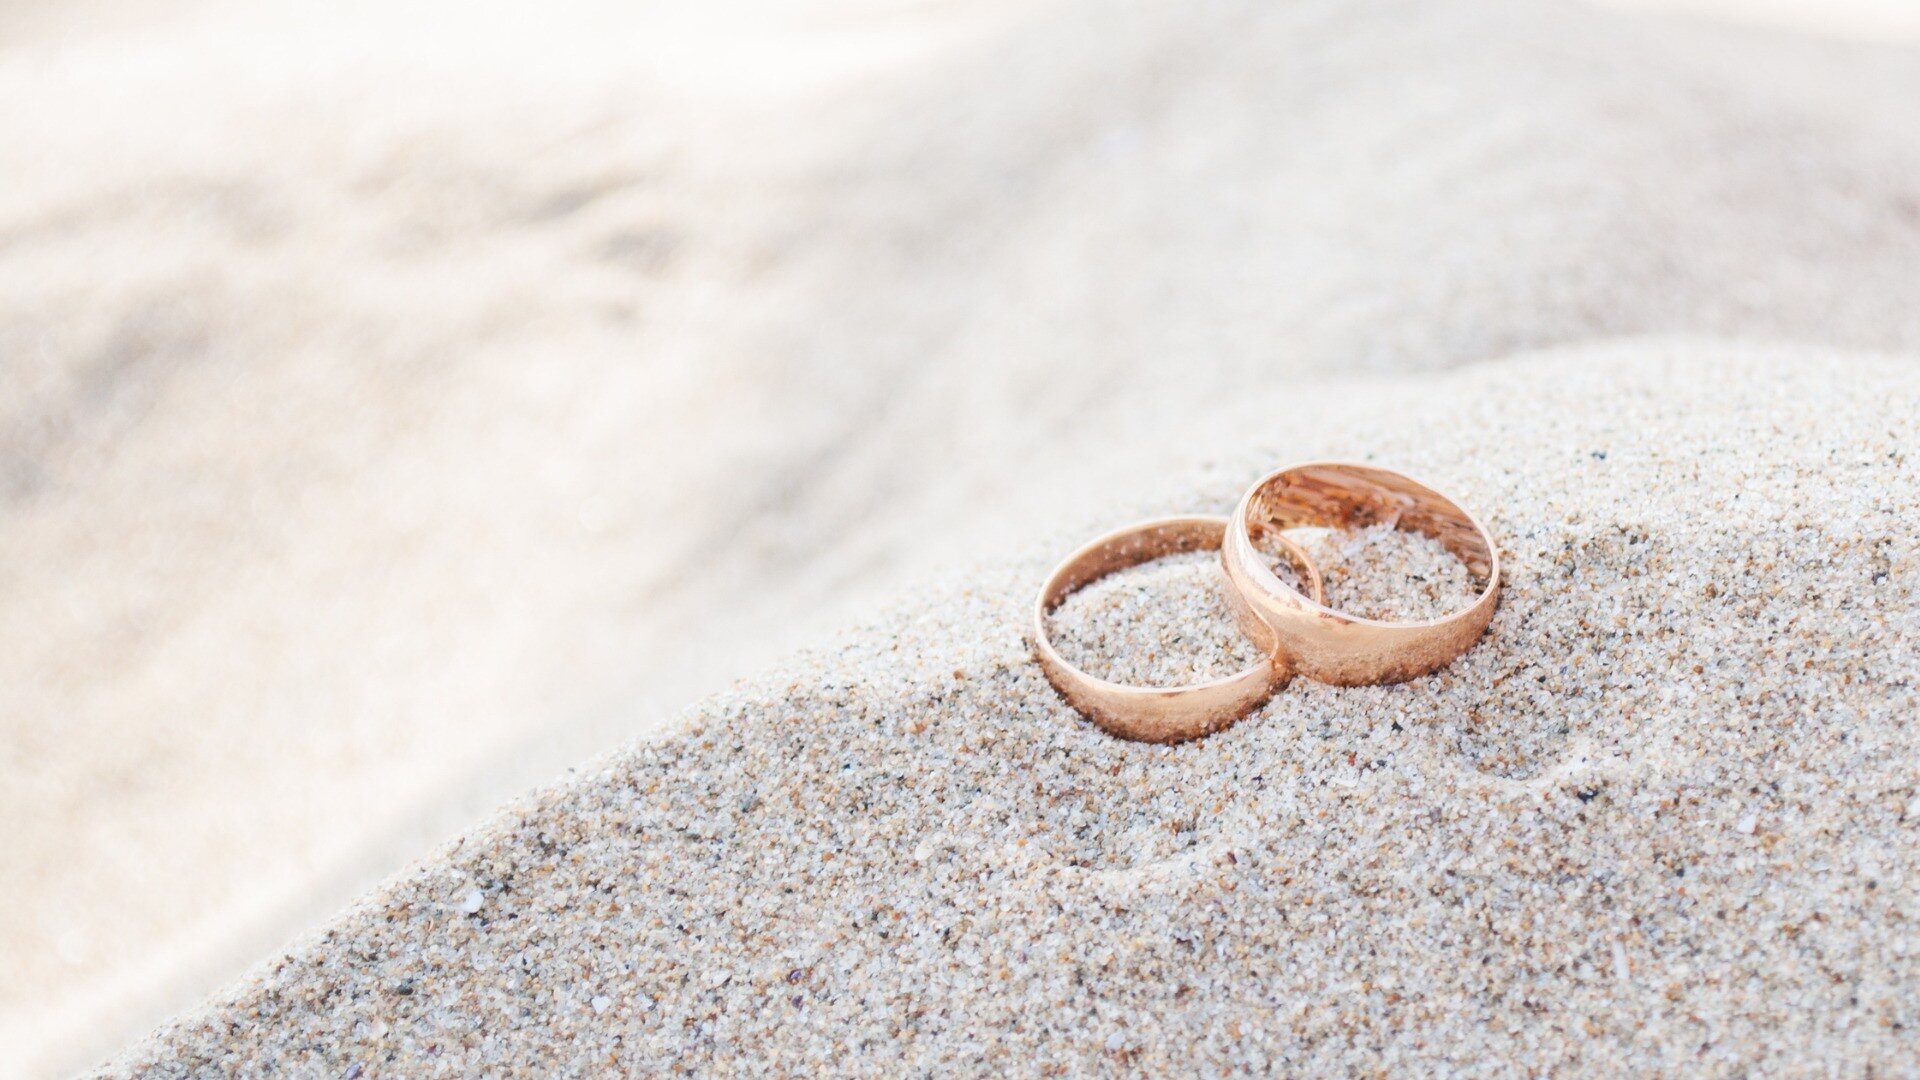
{"x":402,"y":402}
{"x":1667,"y":815}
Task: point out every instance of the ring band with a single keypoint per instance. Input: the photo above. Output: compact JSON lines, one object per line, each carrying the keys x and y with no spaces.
{"x":1158,"y":714}
{"x":1331,"y":646}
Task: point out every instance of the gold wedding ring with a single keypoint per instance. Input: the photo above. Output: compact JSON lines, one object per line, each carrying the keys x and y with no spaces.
{"x":1331,"y":646}
{"x":1161,"y":714}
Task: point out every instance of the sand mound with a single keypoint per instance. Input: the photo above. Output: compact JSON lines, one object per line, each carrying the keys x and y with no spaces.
{"x":1664,"y":815}
{"x":404,"y":400}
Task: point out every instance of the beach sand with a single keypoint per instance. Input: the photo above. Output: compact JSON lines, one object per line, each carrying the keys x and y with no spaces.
{"x":407,"y":401}
{"x":1665,"y":816}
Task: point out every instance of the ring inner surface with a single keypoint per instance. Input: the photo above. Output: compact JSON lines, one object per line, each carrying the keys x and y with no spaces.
{"x":1133,"y":549}
{"x":1349,"y":499}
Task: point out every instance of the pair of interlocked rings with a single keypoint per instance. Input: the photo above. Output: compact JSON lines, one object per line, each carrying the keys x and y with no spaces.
{"x":1297,"y":633}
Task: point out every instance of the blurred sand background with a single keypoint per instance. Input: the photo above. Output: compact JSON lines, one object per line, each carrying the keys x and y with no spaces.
{"x":405,"y":401}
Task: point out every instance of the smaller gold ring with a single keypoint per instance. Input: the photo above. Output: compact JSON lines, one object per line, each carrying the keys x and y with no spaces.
{"x":1331,"y":646}
{"x":1151,"y":713}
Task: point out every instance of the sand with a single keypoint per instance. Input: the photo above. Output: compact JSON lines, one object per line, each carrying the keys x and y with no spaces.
{"x":1163,"y":623}
{"x":404,"y":402}
{"x":1662,"y":818}
{"x":1168,"y":623}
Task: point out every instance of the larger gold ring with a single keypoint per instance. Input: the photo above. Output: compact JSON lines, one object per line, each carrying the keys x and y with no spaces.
{"x":1331,"y":646}
{"x":1158,"y":714}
